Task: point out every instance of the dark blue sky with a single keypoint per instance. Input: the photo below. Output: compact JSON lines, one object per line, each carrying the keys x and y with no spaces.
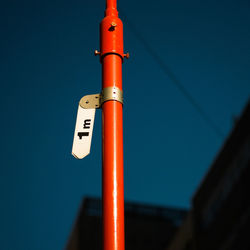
{"x":47,"y":65}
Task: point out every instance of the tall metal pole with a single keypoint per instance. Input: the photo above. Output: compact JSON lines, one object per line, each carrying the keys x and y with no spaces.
{"x":111,"y":56}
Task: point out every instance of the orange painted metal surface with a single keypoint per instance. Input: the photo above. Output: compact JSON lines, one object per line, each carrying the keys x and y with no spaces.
{"x":111,"y":55}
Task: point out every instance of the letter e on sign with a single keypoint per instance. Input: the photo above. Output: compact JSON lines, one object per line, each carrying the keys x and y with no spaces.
{"x":83,"y":132}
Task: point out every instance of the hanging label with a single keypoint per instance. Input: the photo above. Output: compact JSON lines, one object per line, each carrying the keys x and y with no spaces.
{"x":83,"y":132}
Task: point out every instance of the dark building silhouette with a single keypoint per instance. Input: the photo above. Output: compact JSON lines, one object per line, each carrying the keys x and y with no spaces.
{"x":184,"y":237}
{"x":146,"y":227}
{"x":220,"y":214}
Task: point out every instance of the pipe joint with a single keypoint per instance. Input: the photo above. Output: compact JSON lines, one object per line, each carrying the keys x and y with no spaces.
{"x":111,"y":36}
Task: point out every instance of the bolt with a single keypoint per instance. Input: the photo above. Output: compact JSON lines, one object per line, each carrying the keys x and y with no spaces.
{"x":126,"y":55}
{"x":97,"y":52}
{"x":112,"y":27}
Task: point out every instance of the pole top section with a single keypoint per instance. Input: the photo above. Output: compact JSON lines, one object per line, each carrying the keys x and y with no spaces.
{"x":111,"y":8}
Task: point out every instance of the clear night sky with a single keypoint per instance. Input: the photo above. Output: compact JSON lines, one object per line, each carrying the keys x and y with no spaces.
{"x":47,"y":65}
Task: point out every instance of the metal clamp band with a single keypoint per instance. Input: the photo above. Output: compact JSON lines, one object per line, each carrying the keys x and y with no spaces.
{"x":95,"y":101}
{"x":112,"y":93}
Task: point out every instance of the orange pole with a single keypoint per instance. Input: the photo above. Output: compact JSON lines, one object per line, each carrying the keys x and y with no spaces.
{"x":111,"y":55}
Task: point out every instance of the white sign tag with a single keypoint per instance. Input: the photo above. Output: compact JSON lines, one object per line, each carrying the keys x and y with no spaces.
{"x":83,"y":132}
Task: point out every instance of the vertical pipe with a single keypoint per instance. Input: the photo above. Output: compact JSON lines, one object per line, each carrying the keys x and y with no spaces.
{"x":111,"y":55}
{"x":113,"y":197}
{"x":111,"y":8}
{"x":111,"y":4}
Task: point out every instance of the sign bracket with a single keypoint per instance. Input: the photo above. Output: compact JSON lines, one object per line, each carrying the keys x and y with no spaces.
{"x":86,"y":116}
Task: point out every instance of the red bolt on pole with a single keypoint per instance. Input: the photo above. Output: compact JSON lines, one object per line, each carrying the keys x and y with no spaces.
{"x":111,"y":55}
